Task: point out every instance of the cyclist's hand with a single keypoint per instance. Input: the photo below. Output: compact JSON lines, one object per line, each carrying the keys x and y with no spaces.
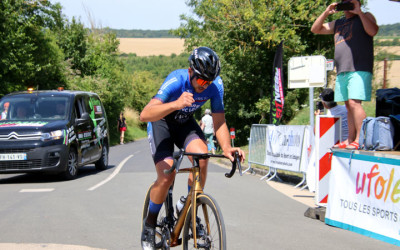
{"x":230,"y":153}
{"x":185,"y":100}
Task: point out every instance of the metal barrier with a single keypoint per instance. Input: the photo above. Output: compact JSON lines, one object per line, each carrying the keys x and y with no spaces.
{"x":280,"y":147}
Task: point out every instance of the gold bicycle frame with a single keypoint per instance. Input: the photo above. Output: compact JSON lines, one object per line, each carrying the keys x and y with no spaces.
{"x":190,"y":201}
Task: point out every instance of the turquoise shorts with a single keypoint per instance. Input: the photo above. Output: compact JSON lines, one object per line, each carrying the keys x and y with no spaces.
{"x":353,"y":85}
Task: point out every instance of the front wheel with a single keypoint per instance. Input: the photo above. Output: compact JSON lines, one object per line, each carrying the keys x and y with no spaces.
{"x":72,"y":166}
{"x":210,"y":227}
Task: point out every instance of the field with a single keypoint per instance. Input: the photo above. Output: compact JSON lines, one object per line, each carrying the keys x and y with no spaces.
{"x":393,"y":71}
{"x":151,"y":46}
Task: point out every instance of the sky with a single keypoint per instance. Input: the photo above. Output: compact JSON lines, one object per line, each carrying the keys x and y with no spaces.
{"x":164,"y":14}
{"x":127,"y":14}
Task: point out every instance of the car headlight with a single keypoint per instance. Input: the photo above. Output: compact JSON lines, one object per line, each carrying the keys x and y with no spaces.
{"x":53,"y":135}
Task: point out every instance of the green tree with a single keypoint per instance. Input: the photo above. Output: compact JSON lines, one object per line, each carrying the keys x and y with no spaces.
{"x":245,"y":35}
{"x":143,"y":89}
{"x":29,"y":54}
{"x":73,"y":40}
{"x":97,"y":68}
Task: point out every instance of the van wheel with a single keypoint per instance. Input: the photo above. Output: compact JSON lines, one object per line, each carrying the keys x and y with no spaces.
{"x":102,"y":163}
{"x":72,"y":167}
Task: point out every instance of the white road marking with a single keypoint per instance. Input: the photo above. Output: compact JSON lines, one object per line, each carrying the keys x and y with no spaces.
{"x":116,"y":171}
{"x":37,"y":190}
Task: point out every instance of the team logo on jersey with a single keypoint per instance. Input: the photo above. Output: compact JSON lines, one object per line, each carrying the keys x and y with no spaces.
{"x":201,"y":99}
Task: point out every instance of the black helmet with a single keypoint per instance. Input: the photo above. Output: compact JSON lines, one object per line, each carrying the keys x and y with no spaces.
{"x":205,"y":63}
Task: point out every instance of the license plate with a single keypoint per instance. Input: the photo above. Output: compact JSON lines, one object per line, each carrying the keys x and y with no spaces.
{"x":13,"y":157}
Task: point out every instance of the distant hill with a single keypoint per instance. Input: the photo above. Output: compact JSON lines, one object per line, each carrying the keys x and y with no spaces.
{"x":389,"y":30}
{"x":122,"y":33}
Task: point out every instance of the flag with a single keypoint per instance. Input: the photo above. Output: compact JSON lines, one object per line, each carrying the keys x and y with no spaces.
{"x":277,"y":97}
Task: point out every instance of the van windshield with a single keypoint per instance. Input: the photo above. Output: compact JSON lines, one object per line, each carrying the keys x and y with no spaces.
{"x":34,"y":108}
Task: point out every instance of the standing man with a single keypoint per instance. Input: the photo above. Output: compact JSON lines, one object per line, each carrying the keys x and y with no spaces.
{"x":170,"y":122}
{"x":354,"y":58}
{"x":333,"y":109}
{"x":208,"y":128}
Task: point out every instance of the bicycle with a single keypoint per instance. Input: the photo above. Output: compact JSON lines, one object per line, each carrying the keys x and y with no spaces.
{"x":209,"y":230}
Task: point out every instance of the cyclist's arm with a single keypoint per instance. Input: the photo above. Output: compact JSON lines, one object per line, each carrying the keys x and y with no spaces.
{"x":223,"y":136}
{"x":156,"y":109}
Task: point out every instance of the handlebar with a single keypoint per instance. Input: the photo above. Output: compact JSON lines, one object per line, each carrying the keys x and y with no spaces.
{"x":235,"y":163}
{"x":178,"y":157}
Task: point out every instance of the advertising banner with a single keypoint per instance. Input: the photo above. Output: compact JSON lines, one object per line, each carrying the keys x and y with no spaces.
{"x":365,"y":197}
{"x":284,"y":147}
{"x":277,"y":85}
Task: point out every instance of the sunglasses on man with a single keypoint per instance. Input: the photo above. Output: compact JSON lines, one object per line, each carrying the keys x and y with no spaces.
{"x":199,"y":81}
{"x":202,"y":82}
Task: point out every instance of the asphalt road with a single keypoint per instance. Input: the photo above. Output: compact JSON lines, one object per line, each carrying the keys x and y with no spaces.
{"x":102,"y":210}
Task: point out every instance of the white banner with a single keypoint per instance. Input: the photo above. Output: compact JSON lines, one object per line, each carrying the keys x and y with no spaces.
{"x":365,"y":195}
{"x":284,"y":147}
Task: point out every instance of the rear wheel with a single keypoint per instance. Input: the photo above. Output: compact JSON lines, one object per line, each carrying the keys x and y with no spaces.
{"x":102,"y":163}
{"x":160,"y":229}
{"x":72,"y":166}
{"x":210,"y":227}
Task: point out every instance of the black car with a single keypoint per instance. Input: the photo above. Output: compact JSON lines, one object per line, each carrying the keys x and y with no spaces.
{"x":52,"y":131}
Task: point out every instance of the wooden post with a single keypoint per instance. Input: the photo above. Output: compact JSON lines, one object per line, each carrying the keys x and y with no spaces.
{"x":384,"y":73}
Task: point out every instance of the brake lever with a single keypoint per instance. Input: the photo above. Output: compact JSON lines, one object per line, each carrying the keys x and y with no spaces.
{"x":234,"y":164}
{"x":238,"y":163}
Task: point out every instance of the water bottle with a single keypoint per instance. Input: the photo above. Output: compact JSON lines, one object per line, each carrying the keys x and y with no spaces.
{"x":180,"y":204}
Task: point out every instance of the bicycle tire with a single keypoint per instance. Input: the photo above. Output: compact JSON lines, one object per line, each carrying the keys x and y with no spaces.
{"x":162,"y":214}
{"x":215,"y":238}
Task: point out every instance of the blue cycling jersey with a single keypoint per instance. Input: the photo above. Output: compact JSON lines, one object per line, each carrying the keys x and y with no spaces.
{"x":177,"y":82}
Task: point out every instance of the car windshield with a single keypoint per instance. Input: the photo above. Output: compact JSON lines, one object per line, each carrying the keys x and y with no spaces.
{"x":34,"y":108}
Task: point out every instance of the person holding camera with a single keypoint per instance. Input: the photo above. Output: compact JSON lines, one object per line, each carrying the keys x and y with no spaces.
{"x":332,"y":108}
{"x":354,"y":58}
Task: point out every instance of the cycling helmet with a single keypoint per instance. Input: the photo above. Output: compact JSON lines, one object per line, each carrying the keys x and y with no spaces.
{"x":205,"y":63}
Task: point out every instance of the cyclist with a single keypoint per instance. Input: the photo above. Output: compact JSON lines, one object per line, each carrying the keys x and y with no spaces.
{"x":170,"y":121}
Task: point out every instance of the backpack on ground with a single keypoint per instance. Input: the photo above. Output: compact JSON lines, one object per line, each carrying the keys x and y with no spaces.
{"x":376,"y":133}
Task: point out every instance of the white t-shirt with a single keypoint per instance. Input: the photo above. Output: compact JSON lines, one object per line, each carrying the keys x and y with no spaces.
{"x":3,"y":115}
{"x":208,"y":124}
{"x":340,"y":110}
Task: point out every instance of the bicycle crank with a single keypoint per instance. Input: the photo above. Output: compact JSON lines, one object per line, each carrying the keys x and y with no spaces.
{"x":166,"y":238}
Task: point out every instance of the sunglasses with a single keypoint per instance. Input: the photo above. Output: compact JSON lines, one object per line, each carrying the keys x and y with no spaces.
{"x":202,"y":82}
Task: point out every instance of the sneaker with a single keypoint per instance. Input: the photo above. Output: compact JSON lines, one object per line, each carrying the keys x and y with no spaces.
{"x":148,"y":237}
